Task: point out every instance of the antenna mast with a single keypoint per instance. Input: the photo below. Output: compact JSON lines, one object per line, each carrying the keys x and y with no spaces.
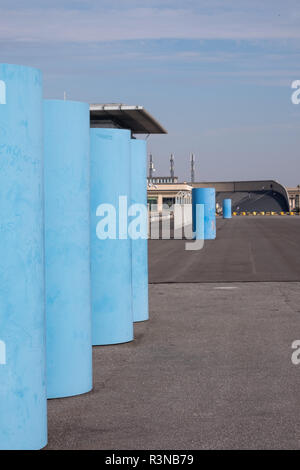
{"x":151,"y":166}
{"x":192,"y":168}
{"x":172,"y":166}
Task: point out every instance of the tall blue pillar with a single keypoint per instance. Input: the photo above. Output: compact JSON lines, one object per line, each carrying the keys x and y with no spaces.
{"x":110,"y":244}
{"x":227,"y":213}
{"x":140,"y":236}
{"x":207,"y":197}
{"x":23,"y":405}
{"x":67,"y":248}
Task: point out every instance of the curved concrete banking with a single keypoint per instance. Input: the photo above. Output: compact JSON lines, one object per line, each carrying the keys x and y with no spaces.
{"x":264,"y":194}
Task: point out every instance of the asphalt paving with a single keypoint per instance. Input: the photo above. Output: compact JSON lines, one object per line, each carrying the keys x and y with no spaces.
{"x":212,"y":367}
{"x":262,"y":248}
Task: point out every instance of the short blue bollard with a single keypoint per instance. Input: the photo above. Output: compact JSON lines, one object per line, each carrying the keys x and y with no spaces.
{"x":23,"y":404}
{"x":110,"y":245}
{"x":140,"y":237}
{"x":67,"y":248}
{"x":207,"y":197}
{"x":227,"y":214}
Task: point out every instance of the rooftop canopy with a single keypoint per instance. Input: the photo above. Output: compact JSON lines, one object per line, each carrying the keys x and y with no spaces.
{"x":134,"y":118}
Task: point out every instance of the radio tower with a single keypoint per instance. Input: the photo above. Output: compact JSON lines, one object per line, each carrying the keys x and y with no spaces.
{"x":192,"y":168}
{"x":172,"y":166}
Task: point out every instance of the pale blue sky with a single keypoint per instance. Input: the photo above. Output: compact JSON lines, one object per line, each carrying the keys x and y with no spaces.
{"x":216,"y":73}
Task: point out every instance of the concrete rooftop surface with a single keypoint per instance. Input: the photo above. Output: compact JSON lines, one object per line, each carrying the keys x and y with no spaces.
{"x":212,"y":368}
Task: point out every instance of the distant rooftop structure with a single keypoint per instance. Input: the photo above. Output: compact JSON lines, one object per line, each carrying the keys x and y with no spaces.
{"x":121,"y":116}
{"x":163,"y":180}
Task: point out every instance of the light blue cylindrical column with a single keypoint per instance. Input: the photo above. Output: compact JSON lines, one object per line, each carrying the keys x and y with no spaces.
{"x":140,"y":230}
{"x":23,"y":405}
{"x":67,"y":248}
{"x":207,"y":197}
{"x":110,"y":244}
{"x":227,"y":214}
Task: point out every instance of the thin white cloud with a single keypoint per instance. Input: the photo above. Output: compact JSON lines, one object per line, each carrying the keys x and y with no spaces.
{"x":247,"y":21}
{"x":251,"y":129}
